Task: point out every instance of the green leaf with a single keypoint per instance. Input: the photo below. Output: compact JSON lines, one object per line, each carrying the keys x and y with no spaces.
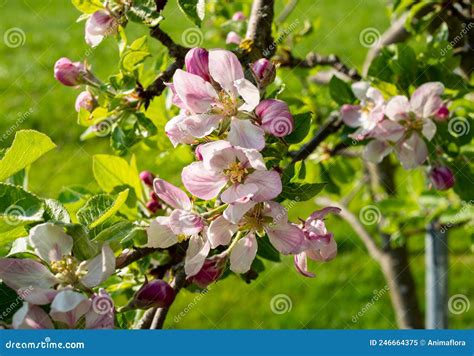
{"x":18,"y":208}
{"x":10,"y":302}
{"x":27,"y":147}
{"x":340,"y":91}
{"x":302,"y":126}
{"x":87,"y":6}
{"x":122,"y":231}
{"x":83,"y":248}
{"x":193,"y":9}
{"x":135,"y":54}
{"x":55,"y":211}
{"x":301,"y":192}
{"x":111,"y":171}
{"x":99,"y":208}
{"x":144,"y":11}
{"x":266,"y":250}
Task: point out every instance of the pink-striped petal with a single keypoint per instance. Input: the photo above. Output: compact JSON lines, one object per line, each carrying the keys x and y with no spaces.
{"x":243,"y":254}
{"x":426,"y":100}
{"x":244,"y":133}
{"x":268,"y":183}
{"x":286,"y":238}
{"x":30,"y":316}
{"x":301,"y":264}
{"x":249,"y":93}
{"x":376,"y":150}
{"x":201,"y":182}
{"x":68,"y":307}
{"x":196,"y":254}
{"x":220,"y":232}
{"x":99,"y":268}
{"x":50,"y":242}
{"x":397,"y":108}
{"x":171,"y":194}
{"x":160,"y":234}
{"x":194,"y":92}
{"x":185,"y":222}
{"x":225,"y":69}
{"x":412,"y":152}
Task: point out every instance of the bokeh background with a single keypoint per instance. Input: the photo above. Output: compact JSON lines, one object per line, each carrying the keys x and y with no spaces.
{"x":31,"y":98}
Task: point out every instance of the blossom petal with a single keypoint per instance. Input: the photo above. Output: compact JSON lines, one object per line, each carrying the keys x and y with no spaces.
{"x":429,"y":129}
{"x":301,"y":264}
{"x":268,"y":183}
{"x":171,"y":194}
{"x":286,"y":238}
{"x":176,"y":131}
{"x":30,"y":316}
{"x":243,"y":254}
{"x":277,"y":211}
{"x":160,"y":234}
{"x":426,"y":100}
{"x":101,"y":313}
{"x":326,"y":251}
{"x":225,"y":69}
{"x":220,"y":232}
{"x":99,"y":268}
{"x":351,"y":115}
{"x":217,"y":155}
{"x":388,"y":130}
{"x":321,"y":214}
{"x":412,"y":152}
{"x":185,"y":222}
{"x":254,"y":158}
{"x":244,"y":133}
{"x":68,"y":307}
{"x":360,"y":90}
{"x":239,"y":193}
{"x":376,"y":150}
{"x":201,"y":125}
{"x":249,"y":93}
{"x":201,"y":182}
{"x":50,"y":242}
{"x":194,"y":92}
{"x":196,"y":254}
{"x":235,"y":211}
{"x":397,"y":108}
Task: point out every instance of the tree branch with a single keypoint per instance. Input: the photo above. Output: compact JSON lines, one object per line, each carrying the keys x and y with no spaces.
{"x":259,"y":29}
{"x":332,"y":125}
{"x":129,"y":256}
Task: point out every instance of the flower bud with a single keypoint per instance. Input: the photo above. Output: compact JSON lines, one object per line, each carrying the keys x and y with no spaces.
{"x":197,"y":62}
{"x":263,"y":71}
{"x":197,"y":153}
{"x":156,"y":293}
{"x":442,"y":114}
{"x":99,"y":25}
{"x":210,"y":272}
{"x":85,"y":100}
{"x":154,"y":196}
{"x":233,"y":37}
{"x":238,"y":16}
{"x":441,"y":177}
{"x":147,"y":178}
{"x":275,"y":117}
{"x":153,"y":206}
{"x":69,"y":73}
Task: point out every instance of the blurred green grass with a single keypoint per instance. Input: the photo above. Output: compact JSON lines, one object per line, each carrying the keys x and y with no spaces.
{"x":342,"y":287}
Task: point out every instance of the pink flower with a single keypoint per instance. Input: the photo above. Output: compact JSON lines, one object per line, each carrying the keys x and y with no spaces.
{"x":442,"y":177}
{"x":53,"y":246}
{"x":275,"y":117}
{"x":409,"y":121}
{"x":233,"y":38}
{"x":270,"y":217}
{"x":69,"y":73}
{"x":98,"y":26}
{"x":368,"y":113}
{"x":197,"y":62}
{"x":84,"y":100}
{"x":263,"y":71}
{"x":238,"y":16}
{"x":204,"y":106}
{"x":319,"y":243}
{"x":243,"y":170}
{"x":181,"y":224}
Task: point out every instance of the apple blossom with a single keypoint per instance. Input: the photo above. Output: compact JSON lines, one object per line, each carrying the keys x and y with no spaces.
{"x":101,"y":24}
{"x":69,"y":73}
{"x":197,"y":62}
{"x":239,"y":16}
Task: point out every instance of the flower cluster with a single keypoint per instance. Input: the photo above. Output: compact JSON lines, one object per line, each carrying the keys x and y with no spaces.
{"x":223,"y":117}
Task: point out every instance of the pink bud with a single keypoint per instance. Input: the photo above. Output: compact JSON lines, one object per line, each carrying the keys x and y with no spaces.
{"x":197,"y":62}
{"x":210,"y":272}
{"x":238,"y":16}
{"x":147,"y":178}
{"x":264,"y":72}
{"x":153,"y":206}
{"x":233,"y":37}
{"x":69,"y":73}
{"x":156,"y":293}
{"x":99,"y":25}
{"x":275,"y":117}
{"x":198,"y":153}
{"x":441,"y":177}
{"x":154,"y":196}
{"x":442,"y":114}
{"x":85,"y":100}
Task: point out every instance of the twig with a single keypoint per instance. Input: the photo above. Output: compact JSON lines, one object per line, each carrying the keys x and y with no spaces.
{"x":286,"y":11}
{"x":331,"y":126}
{"x":313,"y":59}
{"x":259,"y":29}
{"x":129,"y":256}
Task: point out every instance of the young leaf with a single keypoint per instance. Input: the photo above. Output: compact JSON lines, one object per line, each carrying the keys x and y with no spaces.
{"x":87,"y":6}
{"x":266,"y":250}
{"x":340,"y":91}
{"x":193,"y":9}
{"x":302,"y":126}
{"x":27,"y":147}
{"x":302,"y":192}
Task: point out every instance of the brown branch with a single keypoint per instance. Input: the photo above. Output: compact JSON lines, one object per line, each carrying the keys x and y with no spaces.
{"x":129,"y":256}
{"x":259,"y":30}
{"x":331,"y":126}
{"x":286,"y":11}
{"x":313,"y":59}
